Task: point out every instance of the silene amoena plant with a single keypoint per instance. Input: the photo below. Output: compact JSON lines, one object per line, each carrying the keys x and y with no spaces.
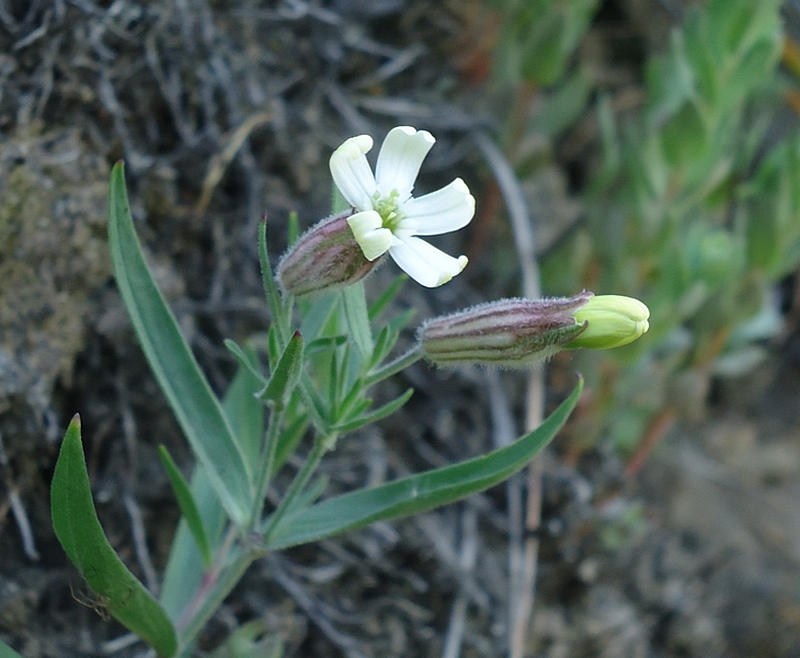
{"x":327,"y":348}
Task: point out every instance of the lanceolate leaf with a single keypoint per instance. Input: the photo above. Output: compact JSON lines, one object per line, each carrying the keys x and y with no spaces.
{"x":354,"y":302}
{"x":419,"y":492}
{"x":185,"y":568}
{"x":186,"y":503}
{"x":287,"y":372}
{"x":376,"y":414}
{"x":78,"y":529}
{"x":194,"y":403}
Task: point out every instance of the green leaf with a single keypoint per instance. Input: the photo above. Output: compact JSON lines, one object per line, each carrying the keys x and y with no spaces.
{"x":326,"y":344}
{"x":292,"y":229}
{"x":387,"y":296}
{"x":276,"y":308}
{"x":684,"y":137}
{"x":189,"y":394}
{"x":245,"y":360}
{"x":244,"y":411}
{"x":338,"y":202}
{"x":610,"y":146}
{"x":316,"y":316}
{"x":564,"y":107}
{"x":186,"y":503}
{"x":670,"y":80}
{"x":417,"y":493}
{"x":289,"y":440}
{"x":185,"y":566}
{"x":374,"y":416}
{"x":354,"y":302}
{"x":287,"y":372}
{"x":544,"y":57}
{"x":314,"y":491}
{"x":78,"y":529}
{"x":252,"y":640}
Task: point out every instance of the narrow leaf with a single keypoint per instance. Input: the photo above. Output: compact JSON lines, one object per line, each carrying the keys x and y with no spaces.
{"x":387,"y":296}
{"x":245,"y":360}
{"x":252,"y":640}
{"x":289,"y":440}
{"x":189,"y":394}
{"x":377,"y":414}
{"x":287,"y":372}
{"x":292,"y":229}
{"x":324,"y":344}
{"x":185,"y":566}
{"x":78,"y":529}
{"x":186,"y":503}
{"x":354,"y":301}
{"x":418,"y":493}
{"x":270,"y":288}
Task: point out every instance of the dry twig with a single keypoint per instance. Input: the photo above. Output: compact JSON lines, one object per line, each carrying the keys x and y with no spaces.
{"x":522,"y":593}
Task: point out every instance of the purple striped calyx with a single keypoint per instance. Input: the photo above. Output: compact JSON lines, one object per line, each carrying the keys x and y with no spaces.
{"x":325,"y":257}
{"x":507,"y":332}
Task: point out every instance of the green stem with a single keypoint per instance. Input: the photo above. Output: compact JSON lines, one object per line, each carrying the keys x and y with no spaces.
{"x":393,"y":367}
{"x":306,"y":388}
{"x":213,"y":591}
{"x":321,"y":445}
{"x":267,"y":461}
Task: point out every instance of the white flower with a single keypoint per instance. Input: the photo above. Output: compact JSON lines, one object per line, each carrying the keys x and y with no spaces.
{"x":388,"y":217}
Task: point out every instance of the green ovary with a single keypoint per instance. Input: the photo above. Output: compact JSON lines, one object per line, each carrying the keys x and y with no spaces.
{"x":389,"y":210}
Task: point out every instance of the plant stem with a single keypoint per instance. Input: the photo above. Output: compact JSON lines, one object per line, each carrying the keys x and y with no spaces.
{"x":400,"y":363}
{"x":213,"y":592}
{"x":267,"y":462}
{"x":321,"y":445}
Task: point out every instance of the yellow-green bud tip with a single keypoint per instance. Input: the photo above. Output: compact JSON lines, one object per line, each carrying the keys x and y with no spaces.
{"x":611,"y":321}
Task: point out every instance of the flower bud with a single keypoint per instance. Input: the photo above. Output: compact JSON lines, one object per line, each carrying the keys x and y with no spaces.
{"x":325,"y":257}
{"x":611,"y":321}
{"x":507,"y":332}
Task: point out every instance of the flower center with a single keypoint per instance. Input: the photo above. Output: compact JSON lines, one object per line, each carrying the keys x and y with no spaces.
{"x":389,"y":209}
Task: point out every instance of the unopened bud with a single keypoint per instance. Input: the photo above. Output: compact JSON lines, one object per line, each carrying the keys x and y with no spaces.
{"x":325,"y":257}
{"x":611,"y":321}
{"x":507,"y":332}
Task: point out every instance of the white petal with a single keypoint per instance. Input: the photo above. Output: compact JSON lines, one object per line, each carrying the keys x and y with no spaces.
{"x":443,"y":211}
{"x":424,"y":263}
{"x":351,"y":172}
{"x":373,"y":239}
{"x":400,"y":158}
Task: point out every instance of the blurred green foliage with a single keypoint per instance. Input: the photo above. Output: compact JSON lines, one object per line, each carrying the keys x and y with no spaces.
{"x":689,"y":206}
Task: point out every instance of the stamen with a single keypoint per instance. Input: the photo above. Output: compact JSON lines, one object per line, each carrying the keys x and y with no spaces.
{"x":389,"y":210}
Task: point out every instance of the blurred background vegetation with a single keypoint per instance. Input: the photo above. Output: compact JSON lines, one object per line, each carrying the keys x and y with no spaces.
{"x":685,"y":188}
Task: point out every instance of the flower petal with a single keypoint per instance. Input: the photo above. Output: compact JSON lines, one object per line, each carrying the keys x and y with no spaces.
{"x":427,"y":265}
{"x":400,"y":158}
{"x":443,"y":211}
{"x":351,"y":172}
{"x":373,"y":239}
